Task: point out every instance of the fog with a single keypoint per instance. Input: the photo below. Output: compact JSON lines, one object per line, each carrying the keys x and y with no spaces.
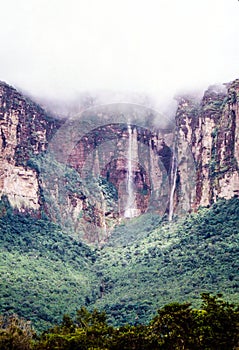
{"x":58,"y":49}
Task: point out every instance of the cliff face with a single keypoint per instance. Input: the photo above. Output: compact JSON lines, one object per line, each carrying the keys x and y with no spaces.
{"x":207,"y":144}
{"x":114,"y":151}
{"x":88,"y":173}
{"x":84,"y":184}
{"x":122,"y":168}
{"x":24,"y":131}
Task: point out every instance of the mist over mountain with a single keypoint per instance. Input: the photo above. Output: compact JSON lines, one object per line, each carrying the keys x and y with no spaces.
{"x":57,"y":50}
{"x":81,"y":170}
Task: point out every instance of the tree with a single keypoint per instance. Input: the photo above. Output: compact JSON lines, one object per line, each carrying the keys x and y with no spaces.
{"x":220,"y":323}
{"x":175,"y":327}
{"x":15,"y":333}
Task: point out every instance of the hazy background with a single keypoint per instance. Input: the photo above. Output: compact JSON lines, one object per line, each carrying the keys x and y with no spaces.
{"x":56,"y":49}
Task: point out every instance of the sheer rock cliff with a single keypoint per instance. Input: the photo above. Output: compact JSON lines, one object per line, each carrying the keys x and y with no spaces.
{"x":76,"y":171}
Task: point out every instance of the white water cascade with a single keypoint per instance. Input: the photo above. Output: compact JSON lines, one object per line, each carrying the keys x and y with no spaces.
{"x":173,"y":177}
{"x":130,"y":210}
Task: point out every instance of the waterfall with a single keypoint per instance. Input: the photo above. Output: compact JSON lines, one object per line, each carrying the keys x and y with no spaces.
{"x":104,"y":226}
{"x":130,"y":210}
{"x":173,"y":177}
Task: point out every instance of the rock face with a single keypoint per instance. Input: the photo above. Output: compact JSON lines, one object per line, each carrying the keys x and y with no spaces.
{"x":24,"y":131}
{"x":88,"y":173}
{"x":207,"y":143}
{"x":109,"y":153}
{"x":150,"y":164}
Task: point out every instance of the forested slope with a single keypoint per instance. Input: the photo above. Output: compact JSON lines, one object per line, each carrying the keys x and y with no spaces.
{"x":45,"y":272}
{"x":175,"y":261}
{"x":147,"y":263}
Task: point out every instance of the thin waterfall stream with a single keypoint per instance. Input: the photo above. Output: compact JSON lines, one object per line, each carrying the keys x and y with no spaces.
{"x":130,"y":204}
{"x":173,"y":177}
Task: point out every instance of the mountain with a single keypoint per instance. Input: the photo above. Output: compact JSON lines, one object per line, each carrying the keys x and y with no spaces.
{"x":116,"y":161}
{"x":118,"y":207}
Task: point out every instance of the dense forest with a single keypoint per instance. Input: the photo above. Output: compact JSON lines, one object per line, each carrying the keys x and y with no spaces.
{"x":215,"y":326}
{"x":147,"y":263}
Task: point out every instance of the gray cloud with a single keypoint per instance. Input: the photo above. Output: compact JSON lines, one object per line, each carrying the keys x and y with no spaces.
{"x":58,"y":49}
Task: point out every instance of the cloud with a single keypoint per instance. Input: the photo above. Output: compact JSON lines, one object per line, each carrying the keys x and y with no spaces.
{"x":57,"y":49}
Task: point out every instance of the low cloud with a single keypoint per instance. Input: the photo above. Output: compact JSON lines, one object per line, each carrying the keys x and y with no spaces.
{"x":60,"y":51}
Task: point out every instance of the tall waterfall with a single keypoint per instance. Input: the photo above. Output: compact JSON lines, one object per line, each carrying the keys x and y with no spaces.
{"x":130,"y":210}
{"x":173,"y":177}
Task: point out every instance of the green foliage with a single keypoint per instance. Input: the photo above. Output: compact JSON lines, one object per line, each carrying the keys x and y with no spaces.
{"x":213,"y":105}
{"x":213,"y":327}
{"x":44,"y":271}
{"x":175,"y":327}
{"x":146,"y":264}
{"x":134,"y":230}
{"x":178,"y":261}
{"x":61,"y":183}
{"x":15,"y":333}
{"x":218,"y":323}
{"x":89,"y":331}
{"x":87,"y":319}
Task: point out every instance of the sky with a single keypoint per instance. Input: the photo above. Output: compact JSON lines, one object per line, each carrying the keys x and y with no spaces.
{"x":56,"y":49}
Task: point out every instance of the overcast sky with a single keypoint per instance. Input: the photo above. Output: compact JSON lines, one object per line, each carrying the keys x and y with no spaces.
{"x":57,"y":48}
